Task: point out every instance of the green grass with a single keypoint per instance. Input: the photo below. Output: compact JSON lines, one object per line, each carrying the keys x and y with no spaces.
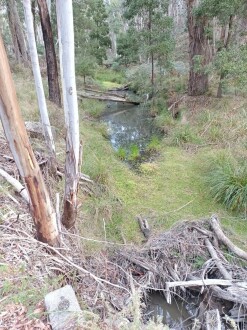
{"x":227,"y":179}
{"x":109,"y":78}
{"x":166,"y":191}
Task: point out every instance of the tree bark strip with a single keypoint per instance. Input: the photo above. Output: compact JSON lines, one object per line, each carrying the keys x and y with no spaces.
{"x":16,"y":134}
{"x":51,"y":61}
{"x":67,"y":68}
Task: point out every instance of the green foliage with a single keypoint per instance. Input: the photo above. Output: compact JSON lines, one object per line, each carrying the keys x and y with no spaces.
{"x":221,"y":9}
{"x":93,"y":108}
{"x":121,"y":153}
{"x":232,"y":64}
{"x":86,"y":65}
{"x":227,"y":179}
{"x":91,"y":31}
{"x":154,"y":144}
{"x":139,"y":78}
{"x":99,"y":33}
{"x":134,"y":154}
{"x":198,"y":262}
{"x":128,"y":46}
{"x":109,"y":75}
{"x":184,"y":134}
{"x":154,"y":38}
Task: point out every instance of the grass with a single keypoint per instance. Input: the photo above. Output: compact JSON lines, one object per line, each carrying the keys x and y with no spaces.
{"x":170,"y":189}
{"x":109,"y":78}
{"x":227,"y":179}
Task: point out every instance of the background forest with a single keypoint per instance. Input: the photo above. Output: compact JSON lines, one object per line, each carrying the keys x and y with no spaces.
{"x":184,"y":62}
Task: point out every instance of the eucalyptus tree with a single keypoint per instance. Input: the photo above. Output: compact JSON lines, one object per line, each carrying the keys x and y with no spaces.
{"x":153,"y":27}
{"x":67,"y":68}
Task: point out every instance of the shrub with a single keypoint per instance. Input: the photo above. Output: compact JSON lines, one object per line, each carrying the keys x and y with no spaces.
{"x":228,"y":184}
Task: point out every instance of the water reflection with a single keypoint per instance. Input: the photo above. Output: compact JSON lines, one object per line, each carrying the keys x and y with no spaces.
{"x":178,"y":315}
{"x":129,"y":125}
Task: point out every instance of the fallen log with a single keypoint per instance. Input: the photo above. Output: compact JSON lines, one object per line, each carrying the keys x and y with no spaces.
{"x":16,"y":184}
{"x":214,"y":222}
{"x":206,"y":282}
{"x":105,"y":97}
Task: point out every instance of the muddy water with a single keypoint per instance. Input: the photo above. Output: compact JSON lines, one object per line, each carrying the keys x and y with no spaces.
{"x":178,"y":315}
{"x":129,"y":125}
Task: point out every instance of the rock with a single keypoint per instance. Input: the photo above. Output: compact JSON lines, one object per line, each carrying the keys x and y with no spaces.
{"x":35,"y":129}
{"x":63,"y":309}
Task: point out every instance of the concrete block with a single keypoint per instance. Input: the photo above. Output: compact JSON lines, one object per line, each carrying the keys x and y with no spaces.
{"x":63,"y":309}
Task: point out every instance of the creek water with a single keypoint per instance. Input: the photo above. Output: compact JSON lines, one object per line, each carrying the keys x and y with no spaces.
{"x":178,"y":315}
{"x":130,"y":125}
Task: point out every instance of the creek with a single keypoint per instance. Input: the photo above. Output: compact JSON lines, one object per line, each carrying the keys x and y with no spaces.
{"x":178,"y":315}
{"x":128,"y":126}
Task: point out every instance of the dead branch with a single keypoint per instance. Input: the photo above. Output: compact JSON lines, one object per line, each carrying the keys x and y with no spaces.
{"x":214,"y":222}
{"x":217,"y":261}
{"x":16,"y":184}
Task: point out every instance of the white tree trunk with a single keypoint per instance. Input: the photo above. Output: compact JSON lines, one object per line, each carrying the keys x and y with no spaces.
{"x":67,"y":63}
{"x":38,"y":80}
{"x":16,"y":134}
{"x":49,"y":6}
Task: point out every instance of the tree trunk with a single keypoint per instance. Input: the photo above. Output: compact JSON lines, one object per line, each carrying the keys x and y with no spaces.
{"x":198,"y":46}
{"x":67,"y":63}
{"x":33,"y":4}
{"x":16,"y":134}
{"x":39,"y":84}
{"x":49,"y":6}
{"x":225,"y":38}
{"x":51,"y":61}
{"x":17,"y":32}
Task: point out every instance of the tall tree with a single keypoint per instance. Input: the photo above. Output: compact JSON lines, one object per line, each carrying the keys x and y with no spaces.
{"x":51,"y":61}
{"x":67,"y":63}
{"x":99,"y":33}
{"x":16,"y":134}
{"x":39,"y":84}
{"x":198,"y":50}
{"x":153,"y":27}
{"x":17,"y":34}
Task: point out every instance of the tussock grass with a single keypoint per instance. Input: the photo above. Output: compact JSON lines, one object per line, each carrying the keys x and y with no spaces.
{"x":227,"y":179}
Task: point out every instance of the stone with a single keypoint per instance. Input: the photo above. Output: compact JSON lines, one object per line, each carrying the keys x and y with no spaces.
{"x":63,"y":309}
{"x":35,"y":130}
